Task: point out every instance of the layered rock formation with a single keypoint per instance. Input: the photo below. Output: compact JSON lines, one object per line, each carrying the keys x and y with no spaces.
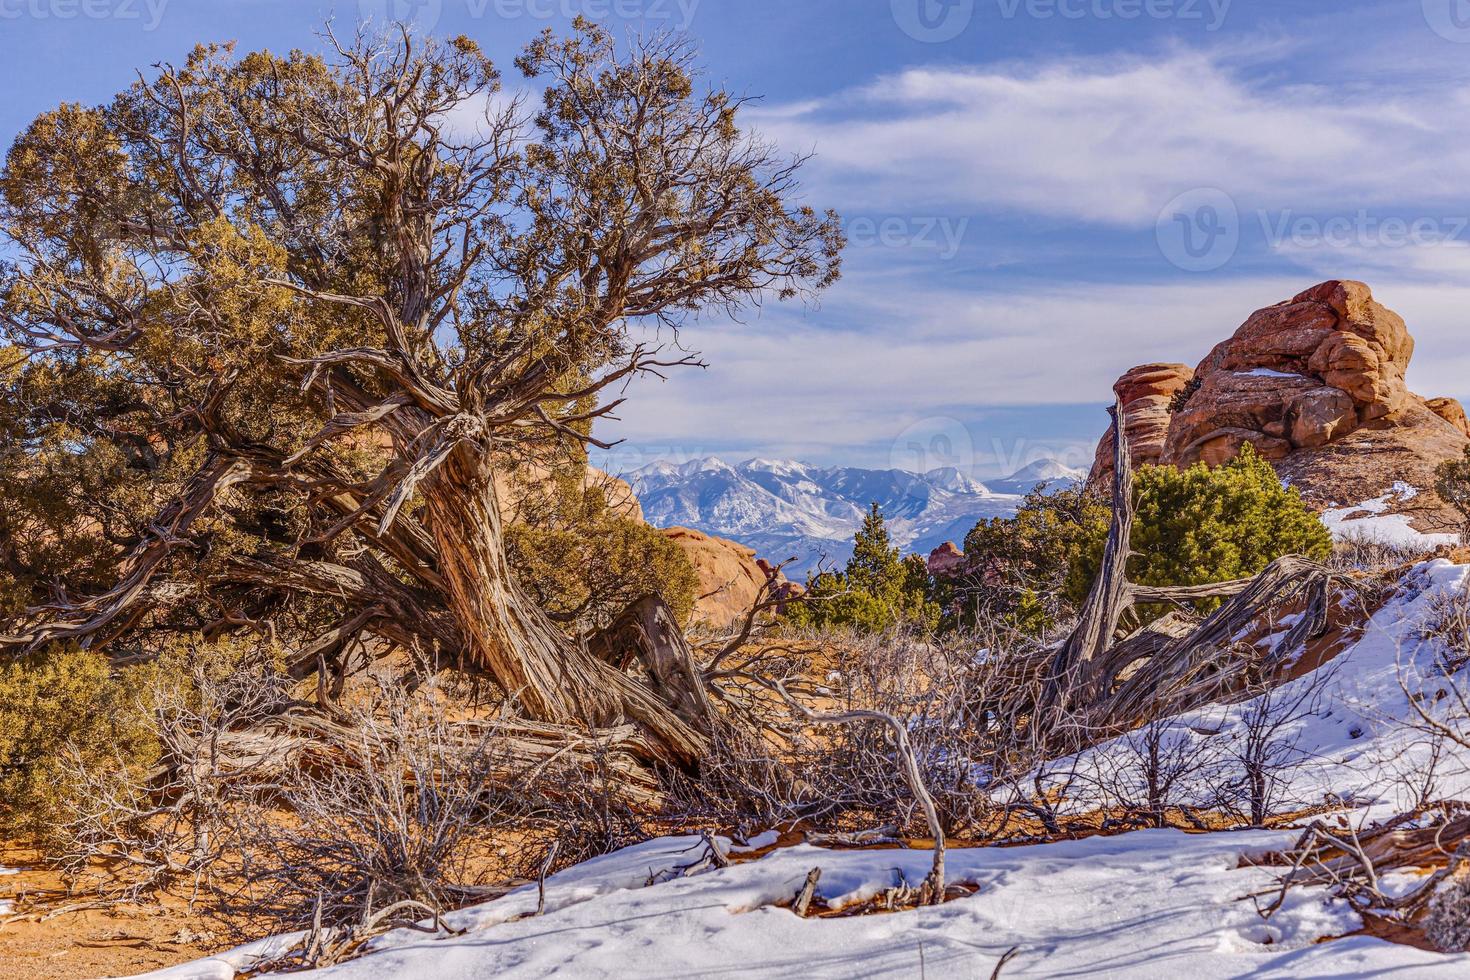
{"x":945,"y":560}
{"x":1146,"y":392}
{"x":1316,"y":385}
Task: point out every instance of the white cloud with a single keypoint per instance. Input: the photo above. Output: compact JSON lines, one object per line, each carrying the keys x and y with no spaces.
{"x":792,"y":384}
{"x":1111,"y":140}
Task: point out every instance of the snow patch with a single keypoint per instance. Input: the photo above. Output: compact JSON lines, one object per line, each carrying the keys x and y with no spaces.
{"x":1381,"y":527}
{"x":1267,"y":373}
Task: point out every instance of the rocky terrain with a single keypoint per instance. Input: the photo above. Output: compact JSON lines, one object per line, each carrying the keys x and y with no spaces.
{"x":1317,"y":385}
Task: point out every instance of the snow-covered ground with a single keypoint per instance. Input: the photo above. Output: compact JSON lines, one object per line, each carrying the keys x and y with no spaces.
{"x":6,"y":905}
{"x":1147,"y":904}
{"x":1344,"y":732}
{"x":1370,"y":522}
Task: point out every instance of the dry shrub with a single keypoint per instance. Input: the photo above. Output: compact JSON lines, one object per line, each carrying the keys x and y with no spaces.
{"x":1448,"y":625}
{"x":1447,"y":923}
{"x":400,"y":805}
{"x":949,"y":693}
{"x":1371,"y":554}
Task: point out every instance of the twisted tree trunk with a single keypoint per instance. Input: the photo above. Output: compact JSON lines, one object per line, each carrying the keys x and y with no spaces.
{"x":554,"y":678}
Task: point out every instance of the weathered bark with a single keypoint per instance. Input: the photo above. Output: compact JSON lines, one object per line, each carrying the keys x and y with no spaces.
{"x":554,"y":679}
{"x":648,"y":632}
{"x":1183,"y":667}
{"x":1110,"y":597}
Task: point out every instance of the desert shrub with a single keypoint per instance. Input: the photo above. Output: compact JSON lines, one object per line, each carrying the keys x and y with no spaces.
{"x":1452,"y":483}
{"x":585,"y":561}
{"x":846,"y":778}
{"x":1018,"y":566}
{"x":1204,"y":524}
{"x":879,"y":589}
{"x":1447,"y":922}
{"x":396,"y":806}
{"x":1447,"y":623}
{"x":1367,"y":553}
{"x":58,"y":705}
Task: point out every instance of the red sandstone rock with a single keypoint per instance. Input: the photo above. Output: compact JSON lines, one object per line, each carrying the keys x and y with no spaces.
{"x":1316,"y":384}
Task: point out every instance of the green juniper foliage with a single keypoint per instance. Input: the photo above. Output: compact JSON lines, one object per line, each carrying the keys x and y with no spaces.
{"x":1452,"y":483}
{"x":878,"y":591}
{"x":1204,"y":525}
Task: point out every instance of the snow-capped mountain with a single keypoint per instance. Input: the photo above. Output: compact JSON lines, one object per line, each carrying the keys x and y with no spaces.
{"x":785,"y":509}
{"x":1055,"y":475}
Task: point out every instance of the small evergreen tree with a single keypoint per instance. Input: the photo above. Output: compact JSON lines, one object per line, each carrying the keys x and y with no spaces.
{"x":1205,"y":525}
{"x":1452,"y":483}
{"x":1019,"y":566}
{"x":878,"y":591}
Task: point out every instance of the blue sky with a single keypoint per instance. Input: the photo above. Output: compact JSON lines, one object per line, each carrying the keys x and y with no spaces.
{"x":1040,"y":193}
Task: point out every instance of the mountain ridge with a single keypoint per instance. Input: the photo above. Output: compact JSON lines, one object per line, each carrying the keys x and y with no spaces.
{"x":785,"y":508}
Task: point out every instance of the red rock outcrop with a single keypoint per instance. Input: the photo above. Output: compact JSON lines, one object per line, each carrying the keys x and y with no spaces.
{"x":945,"y":559}
{"x":1145,"y":394}
{"x":730,"y":578}
{"x":1451,"y":411}
{"x":1298,"y":375}
{"x":1316,"y":385}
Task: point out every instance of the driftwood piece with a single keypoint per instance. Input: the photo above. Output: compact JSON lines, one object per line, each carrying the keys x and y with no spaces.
{"x":1172,"y":668}
{"x":306,"y":736}
{"x":1354,"y":861}
{"x":932,"y":891}
{"x":807,"y":892}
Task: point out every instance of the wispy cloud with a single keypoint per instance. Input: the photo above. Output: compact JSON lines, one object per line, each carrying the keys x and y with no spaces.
{"x":1112,"y":140}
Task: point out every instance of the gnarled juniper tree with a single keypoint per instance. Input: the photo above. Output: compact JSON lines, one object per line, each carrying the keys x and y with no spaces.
{"x":276,"y":323}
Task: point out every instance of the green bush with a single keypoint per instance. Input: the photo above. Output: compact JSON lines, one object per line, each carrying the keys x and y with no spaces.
{"x":58,"y":707}
{"x":584,"y":561}
{"x":877,"y":591}
{"x":1452,"y":483}
{"x":1192,"y":527}
{"x":1204,"y":525}
{"x":1019,"y":567}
